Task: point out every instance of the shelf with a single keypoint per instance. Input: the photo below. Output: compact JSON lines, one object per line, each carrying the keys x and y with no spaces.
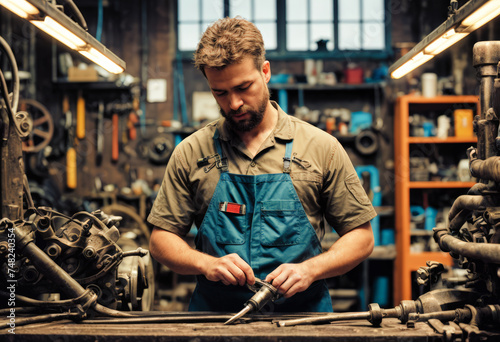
{"x":440,"y":99}
{"x":440,"y":185}
{"x":338,"y":86}
{"x":383,"y":253}
{"x":300,"y":89}
{"x":405,"y":147}
{"x":97,"y":85}
{"x":435,"y":140}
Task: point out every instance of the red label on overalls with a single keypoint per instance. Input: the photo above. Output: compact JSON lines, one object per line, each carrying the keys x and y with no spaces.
{"x":233,"y":208}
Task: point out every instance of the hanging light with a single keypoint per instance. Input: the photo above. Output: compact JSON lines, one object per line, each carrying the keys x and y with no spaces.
{"x":471,"y":16}
{"x":48,"y":18}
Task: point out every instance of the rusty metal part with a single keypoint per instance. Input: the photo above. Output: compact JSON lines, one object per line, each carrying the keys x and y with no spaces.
{"x":486,"y":252}
{"x":431,"y":302}
{"x":43,"y":126}
{"x":485,"y":59}
{"x":374,"y":316}
{"x":449,"y":331}
{"x":264,"y":292}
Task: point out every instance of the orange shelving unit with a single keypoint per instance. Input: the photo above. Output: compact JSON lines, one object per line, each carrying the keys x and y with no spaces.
{"x":406,"y":261}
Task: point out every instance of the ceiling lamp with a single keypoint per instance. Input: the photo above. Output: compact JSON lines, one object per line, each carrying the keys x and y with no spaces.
{"x":48,"y":18}
{"x":471,"y":16}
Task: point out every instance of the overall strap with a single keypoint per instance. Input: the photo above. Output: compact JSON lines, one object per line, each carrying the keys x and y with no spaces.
{"x":287,"y":159}
{"x":221,"y":160}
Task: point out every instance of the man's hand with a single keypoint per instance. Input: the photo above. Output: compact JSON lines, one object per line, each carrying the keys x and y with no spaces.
{"x":171,"y":250}
{"x":230,"y":269}
{"x":290,"y":279}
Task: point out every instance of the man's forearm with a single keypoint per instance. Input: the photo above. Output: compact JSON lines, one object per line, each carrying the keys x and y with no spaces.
{"x":172,"y":251}
{"x":345,"y":254}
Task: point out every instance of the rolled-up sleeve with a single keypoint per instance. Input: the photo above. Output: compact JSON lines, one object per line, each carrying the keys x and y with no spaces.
{"x":173,"y":207}
{"x":346,"y":203}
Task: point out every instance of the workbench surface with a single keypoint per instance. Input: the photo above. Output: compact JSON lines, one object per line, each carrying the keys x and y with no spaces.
{"x":356,"y":330}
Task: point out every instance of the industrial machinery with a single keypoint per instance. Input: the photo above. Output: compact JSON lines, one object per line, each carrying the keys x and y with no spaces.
{"x":57,"y":264}
{"x":468,"y":309}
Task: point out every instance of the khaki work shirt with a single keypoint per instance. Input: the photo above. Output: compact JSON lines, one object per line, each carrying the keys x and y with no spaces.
{"x":321,"y":171}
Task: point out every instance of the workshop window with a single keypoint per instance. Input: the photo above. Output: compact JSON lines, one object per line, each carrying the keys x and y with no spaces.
{"x":325,"y":28}
{"x":194,"y":16}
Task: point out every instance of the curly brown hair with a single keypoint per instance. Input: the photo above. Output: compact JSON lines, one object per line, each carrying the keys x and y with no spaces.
{"x":227,"y":41}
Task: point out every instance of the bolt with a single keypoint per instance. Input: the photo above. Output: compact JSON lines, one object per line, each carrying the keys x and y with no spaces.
{"x":4,"y":246}
{"x":53,"y":251}
{"x":89,"y":252}
{"x":25,"y":126}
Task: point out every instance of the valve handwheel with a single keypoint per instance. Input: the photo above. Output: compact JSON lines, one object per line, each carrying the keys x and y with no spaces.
{"x":43,"y":126}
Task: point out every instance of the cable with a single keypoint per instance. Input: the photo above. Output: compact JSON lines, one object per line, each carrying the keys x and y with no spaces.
{"x":15,"y":74}
{"x":42,"y":318}
{"x":10,"y":111}
{"x":100,"y":11}
{"x":76,"y":11}
{"x":51,"y":303}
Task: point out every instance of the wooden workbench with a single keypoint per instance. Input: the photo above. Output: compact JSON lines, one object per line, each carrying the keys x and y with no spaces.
{"x":345,"y":331}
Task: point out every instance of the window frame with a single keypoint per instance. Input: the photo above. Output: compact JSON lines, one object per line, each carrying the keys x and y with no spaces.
{"x":280,"y":53}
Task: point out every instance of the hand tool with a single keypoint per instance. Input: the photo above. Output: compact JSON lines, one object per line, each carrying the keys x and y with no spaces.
{"x":71,"y":177}
{"x":115,"y":138}
{"x":80,"y":116}
{"x":264,"y":292}
{"x":100,"y":132}
{"x":133,"y":119}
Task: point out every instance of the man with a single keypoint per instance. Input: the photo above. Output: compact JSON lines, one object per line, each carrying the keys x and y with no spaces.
{"x":258,"y":184}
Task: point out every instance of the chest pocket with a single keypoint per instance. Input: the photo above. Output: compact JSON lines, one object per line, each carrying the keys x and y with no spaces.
{"x":231,"y":228}
{"x":281,"y":223}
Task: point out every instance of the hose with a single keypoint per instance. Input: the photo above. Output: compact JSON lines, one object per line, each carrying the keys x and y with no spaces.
{"x":76,"y":11}
{"x":479,"y":251}
{"x":15,"y":74}
{"x":40,"y":319}
{"x":458,"y":221}
{"x":470,"y":203}
{"x":51,"y":303}
{"x":486,"y":169}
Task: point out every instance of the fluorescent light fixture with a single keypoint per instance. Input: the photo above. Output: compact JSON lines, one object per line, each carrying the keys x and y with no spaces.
{"x":481,"y":16}
{"x":469,"y":17}
{"x":47,"y":17}
{"x":413,"y":63}
{"x":444,"y":42}
{"x":99,"y":59}
{"x":59,"y":32}
{"x":19,"y":7}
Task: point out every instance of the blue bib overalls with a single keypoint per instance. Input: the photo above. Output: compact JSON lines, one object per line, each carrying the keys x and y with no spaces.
{"x":261,"y":219}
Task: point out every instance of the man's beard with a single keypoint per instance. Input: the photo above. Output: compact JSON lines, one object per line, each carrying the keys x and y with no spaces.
{"x":253,"y":121}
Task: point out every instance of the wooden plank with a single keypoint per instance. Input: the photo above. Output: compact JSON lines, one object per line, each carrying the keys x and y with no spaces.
{"x":357,"y":330}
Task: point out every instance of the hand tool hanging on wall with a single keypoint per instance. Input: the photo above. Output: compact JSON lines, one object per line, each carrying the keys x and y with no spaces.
{"x":100,"y":132}
{"x":116,"y":110}
{"x":71,"y":172}
{"x":80,"y":116}
{"x":115,"y":144}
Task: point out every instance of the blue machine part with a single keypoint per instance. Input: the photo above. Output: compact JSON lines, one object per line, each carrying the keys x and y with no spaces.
{"x":417,"y":213}
{"x":283,"y":99}
{"x":430,"y":218}
{"x":360,"y":121}
{"x":375,"y":194}
{"x":381,"y":291}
